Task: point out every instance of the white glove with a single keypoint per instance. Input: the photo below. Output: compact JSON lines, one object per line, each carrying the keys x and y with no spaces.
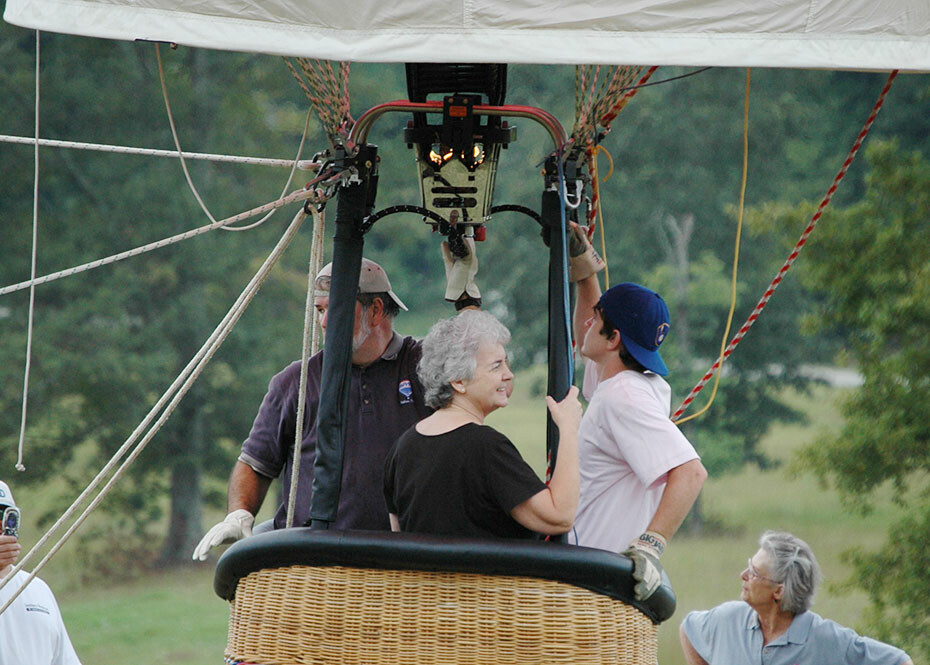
{"x":584,"y":260}
{"x":460,"y":272}
{"x":647,"y":571}
{"x":238,"y":524}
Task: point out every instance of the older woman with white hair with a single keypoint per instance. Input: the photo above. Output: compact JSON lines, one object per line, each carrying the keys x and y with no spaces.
{"x":772,"y":623}
{"x":450,"y":474}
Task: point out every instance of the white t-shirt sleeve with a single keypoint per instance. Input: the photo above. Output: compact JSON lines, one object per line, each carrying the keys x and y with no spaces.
{"x":643,"y":435}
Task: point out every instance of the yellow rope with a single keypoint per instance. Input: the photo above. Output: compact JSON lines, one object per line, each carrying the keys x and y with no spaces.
{"x":596,"y":187}
{"x":610,"y":159}
{"x":739,"y":227}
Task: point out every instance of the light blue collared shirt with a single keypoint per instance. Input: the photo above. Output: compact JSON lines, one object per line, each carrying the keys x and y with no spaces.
{"x":730,"y":634}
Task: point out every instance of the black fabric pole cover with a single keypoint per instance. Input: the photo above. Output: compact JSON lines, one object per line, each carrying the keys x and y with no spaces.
{"x":348,"y":243}
{"x":559,"y":355}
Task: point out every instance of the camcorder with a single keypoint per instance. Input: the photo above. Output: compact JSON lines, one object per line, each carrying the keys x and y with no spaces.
{"x":9,"y":526}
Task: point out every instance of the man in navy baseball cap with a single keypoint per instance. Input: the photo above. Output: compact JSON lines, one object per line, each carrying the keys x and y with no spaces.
{"x":641,"y":317}
{"x":639,"y":474}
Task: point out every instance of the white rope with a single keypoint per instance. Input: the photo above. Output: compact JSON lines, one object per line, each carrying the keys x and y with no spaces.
{"x":187,"y":175}
{"x":32,"y":270}
{"x":316,"y":257}
{"x":180,"y":153}
{"x":174,"y":133}
{"x":287,"y":185}
{"x":32,"y":280}
{"x":303,"y":165}
{"x":299,"y":195}
{"x":169,"y":400}
{"x":308,"y":348}
{"x":224,"y":223}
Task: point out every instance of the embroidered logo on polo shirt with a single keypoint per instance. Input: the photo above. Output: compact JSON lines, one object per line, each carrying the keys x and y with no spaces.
{"x":405,"y":388}
{"x":37,"y":608}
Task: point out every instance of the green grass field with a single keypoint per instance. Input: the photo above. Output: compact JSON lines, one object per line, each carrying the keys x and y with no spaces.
{"x":176,"y":618}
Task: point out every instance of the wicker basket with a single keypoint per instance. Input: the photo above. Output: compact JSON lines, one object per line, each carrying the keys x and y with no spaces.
{"x":340,"y":615}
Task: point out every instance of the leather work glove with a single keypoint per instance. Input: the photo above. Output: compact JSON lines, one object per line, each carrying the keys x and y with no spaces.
{"x":584,"y":260}
{"x":237,"y":525}
{"x":647,"y":571}
{"x":460,"y":272}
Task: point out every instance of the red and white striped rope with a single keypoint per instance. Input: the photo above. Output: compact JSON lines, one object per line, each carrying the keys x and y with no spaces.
{"x":591,"y":154}
{"x":599,"y":99}
{"x":328,"y":92}
{"x":612,"y":114}
{"x":794,"y":253}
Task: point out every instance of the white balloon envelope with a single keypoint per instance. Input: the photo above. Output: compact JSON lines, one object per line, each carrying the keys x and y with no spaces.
{"x":830,"y":34}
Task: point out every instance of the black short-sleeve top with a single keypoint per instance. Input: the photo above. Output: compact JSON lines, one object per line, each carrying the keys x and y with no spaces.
{"x":461,"y":483}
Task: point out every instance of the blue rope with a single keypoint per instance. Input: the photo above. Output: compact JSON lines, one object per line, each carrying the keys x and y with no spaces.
{"x":565,"y":291}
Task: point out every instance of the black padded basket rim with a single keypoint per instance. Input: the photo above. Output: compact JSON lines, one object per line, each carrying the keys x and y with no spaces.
{"x":596,"y":570}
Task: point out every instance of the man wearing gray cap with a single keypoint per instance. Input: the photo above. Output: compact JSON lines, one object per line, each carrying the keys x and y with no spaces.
{"x":31,"y":629}
{"x":385,"y":400}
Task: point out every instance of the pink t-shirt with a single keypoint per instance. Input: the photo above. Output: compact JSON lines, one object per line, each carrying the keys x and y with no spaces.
{"x":626,"y":445}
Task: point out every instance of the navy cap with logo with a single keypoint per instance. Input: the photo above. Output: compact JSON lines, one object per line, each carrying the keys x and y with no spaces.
{"x":641,"y":317}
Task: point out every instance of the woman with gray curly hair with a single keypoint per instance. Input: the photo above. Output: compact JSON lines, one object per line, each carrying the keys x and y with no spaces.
{"x":773,"y":622}
{"x":451,"y":474}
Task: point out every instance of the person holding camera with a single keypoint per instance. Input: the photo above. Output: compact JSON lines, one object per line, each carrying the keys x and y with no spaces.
{"x":32,"y":631}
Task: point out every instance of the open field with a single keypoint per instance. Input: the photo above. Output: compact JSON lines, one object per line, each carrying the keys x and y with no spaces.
{"x":176,"y":618}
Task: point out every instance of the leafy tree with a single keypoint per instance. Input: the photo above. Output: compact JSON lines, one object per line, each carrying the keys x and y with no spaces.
{"x":871,"y":264}
{"x":791,"y":140}
{"x":747,"y":398}
{"x":108,"y":342}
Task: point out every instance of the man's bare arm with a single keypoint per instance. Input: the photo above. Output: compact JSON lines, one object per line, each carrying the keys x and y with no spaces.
{"x":683,"y":486}
{"x":247,"y":489}
{"x":587,"y":295}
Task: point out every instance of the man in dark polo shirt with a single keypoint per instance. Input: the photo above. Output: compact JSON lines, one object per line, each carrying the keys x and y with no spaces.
{"x":385,"y":400}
